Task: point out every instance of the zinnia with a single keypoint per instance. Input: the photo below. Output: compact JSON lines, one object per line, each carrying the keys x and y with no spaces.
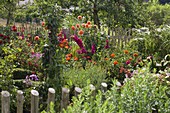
{"x":115,"y":62}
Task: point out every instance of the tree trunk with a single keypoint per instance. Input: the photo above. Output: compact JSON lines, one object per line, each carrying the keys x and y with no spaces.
{"x":95,"y":14}
{"x":8,"y":18}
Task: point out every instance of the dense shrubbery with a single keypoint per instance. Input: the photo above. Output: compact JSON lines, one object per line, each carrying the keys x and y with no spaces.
{"x":144,"y":92}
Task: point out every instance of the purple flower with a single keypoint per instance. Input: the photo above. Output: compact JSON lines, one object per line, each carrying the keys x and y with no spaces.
{"x":37,"y":55}
{"x":107,"y":44}
{"x":93,"y":48}
{"x":33,"y":77}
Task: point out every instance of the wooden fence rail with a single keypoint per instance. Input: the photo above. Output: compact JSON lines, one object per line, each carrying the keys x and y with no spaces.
{"x":65,"y":98}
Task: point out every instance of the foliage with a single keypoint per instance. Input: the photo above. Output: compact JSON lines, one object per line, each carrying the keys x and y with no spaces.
{"x":160,"y":14}
{"x":142,"y":93}
{"x":78,"y":77}
{"x":152,"y":41}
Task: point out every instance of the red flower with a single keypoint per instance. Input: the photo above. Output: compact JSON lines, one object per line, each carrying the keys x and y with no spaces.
{"x":1,"y":41}
{"x":14,"y":28}
{"x":78,"y":25}
{"x":36,"y":38}
{"x":81,"y":32}
{"x":88,"y":22}
{"x":112,"y":55}
{"x":135,"y":54}
{"x":73,"y":28}
{"x":115,"y":62}
{"x":43,"y":23}
{"x":126,"y":51}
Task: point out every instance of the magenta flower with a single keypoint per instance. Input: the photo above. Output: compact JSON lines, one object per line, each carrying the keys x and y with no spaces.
{"x":78,"y":41}
{"x":81,"y":51}
{"x":107,"y":44}
{"x":127,"y":62}
{"x":93,"y":48}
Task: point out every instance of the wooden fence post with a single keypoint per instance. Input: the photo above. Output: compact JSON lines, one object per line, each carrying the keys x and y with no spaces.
{"x":65,"y":98}
{"x":34,"y":101}
{"x":92,"y":87}
{"x":51,"y":97}
{"x":77,"y":91}
{"x":20,"y":101}
{"x":103,"y":87}
{"x":5,"y":102}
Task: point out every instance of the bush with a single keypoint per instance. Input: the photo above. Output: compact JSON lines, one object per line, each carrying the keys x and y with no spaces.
{"x":160,"y":14}
{"x":79,"y":76}
{"x":143,"y":93}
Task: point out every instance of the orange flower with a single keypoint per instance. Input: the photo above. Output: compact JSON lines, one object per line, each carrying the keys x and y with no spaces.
{"x":68,"y":58}
{"x":115,"y":62}
{"x":94,"y":63}
{"x":61,"y":45}
{"x":112,"y":55}
{"x":79,"y":17}
{"x":69,"y":55}
{"x":135,"y":54}
{"x":73,"y":28}
{"x":126,"y":51}
{"x":36,"y":38}
{"x":88,"y":22}
{"x":81,"y":32}
{"x":83,"y":25}
{"x":78,"y":25}
{"x":89,"y":26}
{"x":86,"y":25}
{"x":75,"y":58}
{"x":66,"y":47}
{"x":130,"y":58}
{"x":106,"y":58}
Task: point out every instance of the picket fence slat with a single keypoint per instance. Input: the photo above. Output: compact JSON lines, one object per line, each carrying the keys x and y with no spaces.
{"x":34,"y":101}
{"x":77,"y":91}
{"x":65,"y":98}
{"x":20,"y":101}
{"x":51,"y":97}
{"x":103,"y":87}
{"x":5,"y":99}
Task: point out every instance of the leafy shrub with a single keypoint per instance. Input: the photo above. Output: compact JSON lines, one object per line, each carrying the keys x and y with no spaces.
{"x":160,"y":14}
{"x":154,"y":41}
{"x":143,"y":93}
{"x":79,"y":76}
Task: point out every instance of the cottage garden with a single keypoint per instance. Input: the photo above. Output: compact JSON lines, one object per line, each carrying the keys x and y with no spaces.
{"x":86,"y":60}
